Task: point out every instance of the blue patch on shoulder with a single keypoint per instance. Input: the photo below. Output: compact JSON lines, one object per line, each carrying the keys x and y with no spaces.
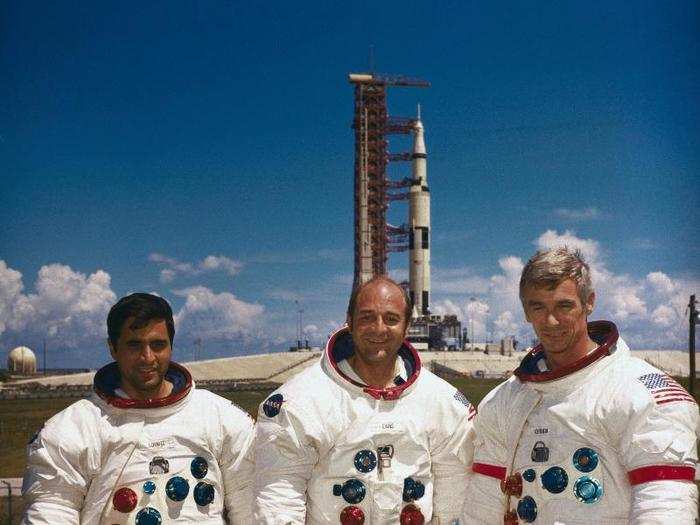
{"x":273,"y":405}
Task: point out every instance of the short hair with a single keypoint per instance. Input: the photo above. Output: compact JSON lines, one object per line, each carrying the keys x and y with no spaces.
{"x":388,"y":280}
{"x":548,"y":268}
{"x":143,"y":307}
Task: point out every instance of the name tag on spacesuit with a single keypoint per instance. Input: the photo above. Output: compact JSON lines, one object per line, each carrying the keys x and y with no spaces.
{"x":384,"y":427}
{"x":161,"y":444}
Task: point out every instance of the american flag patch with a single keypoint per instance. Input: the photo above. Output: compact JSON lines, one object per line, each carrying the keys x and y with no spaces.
{"x":664,"y":389}
{"x":463,"y":399}
{"x":472,"y":412}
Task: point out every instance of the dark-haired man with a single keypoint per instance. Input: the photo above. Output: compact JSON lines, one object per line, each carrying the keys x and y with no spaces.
{"x":366,"y":435}
{"x":147,"y":447}
{"x":583,"y":432}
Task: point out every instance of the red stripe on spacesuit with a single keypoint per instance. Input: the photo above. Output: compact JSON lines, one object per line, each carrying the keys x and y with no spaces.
{"x":675,"y":400}
{"x":661,"y":472}
{"x":492,"y":471}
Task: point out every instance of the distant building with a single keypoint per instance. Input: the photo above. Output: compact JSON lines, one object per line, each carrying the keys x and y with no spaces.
{"x":21,"y":361}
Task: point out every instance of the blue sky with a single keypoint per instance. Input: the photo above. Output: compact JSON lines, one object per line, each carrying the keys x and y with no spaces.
{"x":204,"y":151}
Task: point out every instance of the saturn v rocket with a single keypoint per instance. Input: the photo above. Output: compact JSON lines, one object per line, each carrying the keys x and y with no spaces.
{"x":419,"y":226}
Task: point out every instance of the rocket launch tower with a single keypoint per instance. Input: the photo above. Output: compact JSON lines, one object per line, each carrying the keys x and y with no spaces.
{"x":374,"y":238}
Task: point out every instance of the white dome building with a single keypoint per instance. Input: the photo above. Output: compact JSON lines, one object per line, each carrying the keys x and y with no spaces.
{"x":21,"y":361}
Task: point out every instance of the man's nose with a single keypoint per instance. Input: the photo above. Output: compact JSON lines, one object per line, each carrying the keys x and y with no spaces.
{"x":379,"y":324}
{"x":147,"y":354}
{"x":552,"y":320}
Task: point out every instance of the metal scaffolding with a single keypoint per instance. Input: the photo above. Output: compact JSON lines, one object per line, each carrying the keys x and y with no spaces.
{"x":372,"y":124}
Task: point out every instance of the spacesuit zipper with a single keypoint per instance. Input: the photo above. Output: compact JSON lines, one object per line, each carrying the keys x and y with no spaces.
{"x":517,"y":442}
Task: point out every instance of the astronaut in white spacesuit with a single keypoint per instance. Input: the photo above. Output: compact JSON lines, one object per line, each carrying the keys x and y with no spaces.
{"x":583,"y":432}
{"x":147,"y":448}
{"x":365,"y":435}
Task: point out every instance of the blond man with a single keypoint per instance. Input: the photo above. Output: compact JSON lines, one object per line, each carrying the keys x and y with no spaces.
{"x":583,"y":432}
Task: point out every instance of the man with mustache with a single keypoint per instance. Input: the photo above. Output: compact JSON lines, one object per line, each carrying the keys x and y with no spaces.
{"x":146,"y":447}
{"x":583,"y":432}
{"x":366,"y":435}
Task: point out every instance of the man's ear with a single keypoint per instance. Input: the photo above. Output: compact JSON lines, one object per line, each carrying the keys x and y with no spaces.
{"x":348,"y":321}
{"x":112,"y":351}
{"x":590,"y":302}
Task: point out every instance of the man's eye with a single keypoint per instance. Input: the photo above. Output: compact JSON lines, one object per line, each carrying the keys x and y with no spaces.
{"x":158,"y":345}
{"x":133,"y":345}
{"x":567,"y":306}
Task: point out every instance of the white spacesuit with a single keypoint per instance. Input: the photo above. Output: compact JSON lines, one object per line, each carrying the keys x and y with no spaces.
{"x":329,"y":449}
{"x":609,"y":439}
{"x":113,"y":460}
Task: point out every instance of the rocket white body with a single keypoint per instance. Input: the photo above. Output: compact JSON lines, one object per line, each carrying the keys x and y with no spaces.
{"x":419,"y":227}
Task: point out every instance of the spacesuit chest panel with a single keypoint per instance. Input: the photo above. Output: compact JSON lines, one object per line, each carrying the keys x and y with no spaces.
{"x":380,"y":462}
{"x":564,"y":472}
{"x":169,"y":475}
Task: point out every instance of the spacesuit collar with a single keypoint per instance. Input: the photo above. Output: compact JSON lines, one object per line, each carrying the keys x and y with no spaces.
{"x":602,"y":332}
{"x":107,"y":380}
{"x":340,"y":347}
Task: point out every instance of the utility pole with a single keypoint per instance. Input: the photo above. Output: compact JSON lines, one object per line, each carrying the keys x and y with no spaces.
{"x":300,"y":324}
{"x":692,"y":321}
{"x":472,"y":300}
{"x":197,"y":348}
{"x":44,"y":355}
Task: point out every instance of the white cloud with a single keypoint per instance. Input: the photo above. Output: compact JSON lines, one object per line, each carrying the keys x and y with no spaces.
{"x":662,"y":283}
{"x":578,"y":214}
{"x":67,"y":306}
{"x":664,"y":316}
{"x":551,"y":239}
{"x":505,"y":324}
{"x":219,"y":262}
{"x":167,"y":275}
{"x":173,"y":267}
{"x":211,"y":315}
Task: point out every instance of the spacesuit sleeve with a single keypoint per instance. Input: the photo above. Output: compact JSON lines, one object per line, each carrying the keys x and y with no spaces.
{"x":659,"y":451}
{"x":58,"y":471}
{"x":485,"y":502}
{"x":452,"y":459}
{"x":286,"y":451}
{"x":236,"y":464}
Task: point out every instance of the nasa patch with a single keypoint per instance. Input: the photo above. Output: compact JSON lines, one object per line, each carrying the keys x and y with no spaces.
{"x":273,"y":405}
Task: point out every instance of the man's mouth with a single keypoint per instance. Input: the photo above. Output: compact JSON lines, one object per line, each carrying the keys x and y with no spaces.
{"x":555,"y":335}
